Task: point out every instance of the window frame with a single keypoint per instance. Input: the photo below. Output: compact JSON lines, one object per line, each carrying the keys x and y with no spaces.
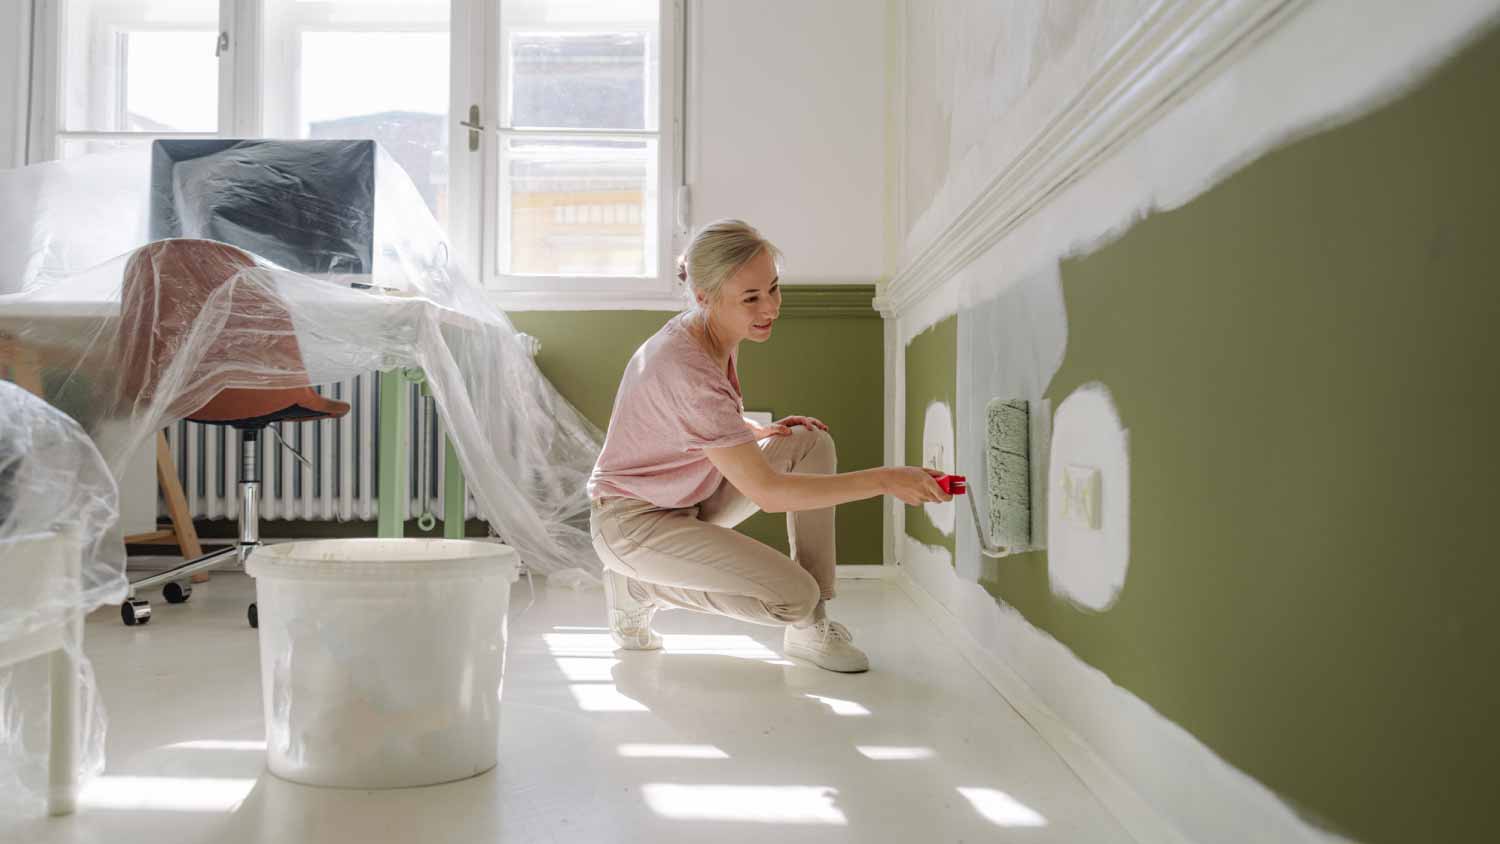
{"x":657,"y":288}
{"x":307,"y":22}
{"x":46,"y":130}
{"x":474,"y":196}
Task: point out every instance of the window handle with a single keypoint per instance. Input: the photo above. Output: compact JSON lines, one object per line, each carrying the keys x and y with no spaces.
{"x":474,"y":127}
{"x":222,"y":45}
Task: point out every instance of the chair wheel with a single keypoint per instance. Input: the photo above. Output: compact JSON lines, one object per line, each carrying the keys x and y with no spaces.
{"x":135,"y":611}
{"x":177,"y":592}
{"x":253,"y":615}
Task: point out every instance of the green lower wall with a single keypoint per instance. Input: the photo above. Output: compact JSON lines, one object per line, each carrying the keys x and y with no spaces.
{"x":930,"y":377}
{"x":1306,"y":358}
{"x":827,"y":367}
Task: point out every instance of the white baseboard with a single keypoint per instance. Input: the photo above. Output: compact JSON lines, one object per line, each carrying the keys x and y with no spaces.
{"x":874,"y":571}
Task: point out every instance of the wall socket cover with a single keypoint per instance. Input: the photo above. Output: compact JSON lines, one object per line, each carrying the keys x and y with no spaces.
{"x":1081,"y":492}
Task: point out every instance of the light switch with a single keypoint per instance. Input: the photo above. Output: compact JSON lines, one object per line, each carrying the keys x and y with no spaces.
{"x":1081,"y":492}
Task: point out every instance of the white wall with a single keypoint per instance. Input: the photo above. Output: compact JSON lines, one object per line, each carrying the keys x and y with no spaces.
{"x":981,"y":80}
{"x":786,"y":129}
{"x":15,"y":42}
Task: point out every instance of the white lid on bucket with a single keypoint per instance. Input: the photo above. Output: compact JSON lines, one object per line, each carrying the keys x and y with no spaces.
{"x":384,"y":559}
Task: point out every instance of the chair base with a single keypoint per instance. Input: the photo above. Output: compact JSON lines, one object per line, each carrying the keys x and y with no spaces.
{"x":182,"y":571}
{"x":176,"y":582}
{"x":137,"y":611}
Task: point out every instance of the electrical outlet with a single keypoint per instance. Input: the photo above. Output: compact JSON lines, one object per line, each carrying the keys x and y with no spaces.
{"x":1081,"y":493}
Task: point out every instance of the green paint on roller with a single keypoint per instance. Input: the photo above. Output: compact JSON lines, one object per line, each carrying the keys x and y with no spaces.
{"x":1008,"y":468}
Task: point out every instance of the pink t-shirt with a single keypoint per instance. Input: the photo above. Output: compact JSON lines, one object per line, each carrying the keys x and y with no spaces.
{"x":674,"y":401}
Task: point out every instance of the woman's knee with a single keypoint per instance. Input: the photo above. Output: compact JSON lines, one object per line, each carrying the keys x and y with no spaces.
{"x":815,"y":444}
{"x":800,"y":599}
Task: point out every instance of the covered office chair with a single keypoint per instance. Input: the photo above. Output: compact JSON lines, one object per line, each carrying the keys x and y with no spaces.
{"x":174,"y":298}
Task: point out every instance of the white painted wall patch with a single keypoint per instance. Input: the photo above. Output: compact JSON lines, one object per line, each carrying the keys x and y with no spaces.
{"x":938,"y":453}
{"x":1088,"y":512}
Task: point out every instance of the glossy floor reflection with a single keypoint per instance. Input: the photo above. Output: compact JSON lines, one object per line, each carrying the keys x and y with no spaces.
{"x":717,"y":738}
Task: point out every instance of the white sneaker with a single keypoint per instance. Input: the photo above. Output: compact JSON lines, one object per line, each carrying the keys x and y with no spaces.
{"x":826,"y":644}
{"x":629,"y":619}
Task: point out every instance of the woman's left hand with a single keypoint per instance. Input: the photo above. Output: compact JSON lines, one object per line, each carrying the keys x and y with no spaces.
{"x":805,"y":421}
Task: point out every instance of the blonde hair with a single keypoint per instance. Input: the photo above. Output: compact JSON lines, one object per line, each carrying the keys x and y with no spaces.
{"x":716,"y":252}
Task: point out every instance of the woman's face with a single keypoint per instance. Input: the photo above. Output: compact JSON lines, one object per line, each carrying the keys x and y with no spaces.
{"x":749,"y":301}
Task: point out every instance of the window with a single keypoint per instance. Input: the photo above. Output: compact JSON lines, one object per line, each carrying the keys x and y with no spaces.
{"x":576,"y":204}
{"x":542,"y":133}
{"x":168,"y":81}
{"x":129,"y":72}
{"x":363,"y":69}
{"x":581,"y":162}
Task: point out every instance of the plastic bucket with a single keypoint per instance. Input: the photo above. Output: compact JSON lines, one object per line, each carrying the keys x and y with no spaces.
{"x":382,"y":659}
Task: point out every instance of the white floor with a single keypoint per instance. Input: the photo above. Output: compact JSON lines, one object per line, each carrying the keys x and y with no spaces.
{"x":717,"y":739}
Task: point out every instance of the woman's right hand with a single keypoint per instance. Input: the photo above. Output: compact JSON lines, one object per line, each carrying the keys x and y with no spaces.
{"x":915,"y":486}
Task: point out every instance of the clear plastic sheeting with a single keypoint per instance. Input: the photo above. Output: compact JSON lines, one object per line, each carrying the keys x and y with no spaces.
{"x":58,"y":506}
{"x":154,"y":332}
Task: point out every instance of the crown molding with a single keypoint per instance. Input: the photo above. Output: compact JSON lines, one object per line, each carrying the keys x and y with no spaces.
{"x":1177,"y":44}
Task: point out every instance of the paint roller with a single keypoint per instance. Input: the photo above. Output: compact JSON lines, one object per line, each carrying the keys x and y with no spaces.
{"x":1007,"y":462}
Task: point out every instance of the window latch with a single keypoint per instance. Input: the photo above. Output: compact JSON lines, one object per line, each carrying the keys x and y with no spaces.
{"x":474,"y":127}
{"x":222,"y":46}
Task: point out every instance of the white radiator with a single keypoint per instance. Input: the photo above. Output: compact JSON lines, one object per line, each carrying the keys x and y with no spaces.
{"x":340,"y":485}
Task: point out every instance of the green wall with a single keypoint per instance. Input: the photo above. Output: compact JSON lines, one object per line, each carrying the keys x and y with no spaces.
{"x":829,"y":367}
{"x":1306,"y":359}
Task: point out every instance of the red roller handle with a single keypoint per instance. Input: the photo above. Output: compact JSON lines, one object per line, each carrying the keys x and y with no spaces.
{"x":953,"y":484}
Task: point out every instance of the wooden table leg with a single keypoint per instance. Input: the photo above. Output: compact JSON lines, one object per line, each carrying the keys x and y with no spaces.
{"x":20,"y":364}
{"x":177,"y":508}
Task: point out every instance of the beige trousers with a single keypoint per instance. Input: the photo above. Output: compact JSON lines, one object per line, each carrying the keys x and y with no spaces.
{"x":691,"y":557}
